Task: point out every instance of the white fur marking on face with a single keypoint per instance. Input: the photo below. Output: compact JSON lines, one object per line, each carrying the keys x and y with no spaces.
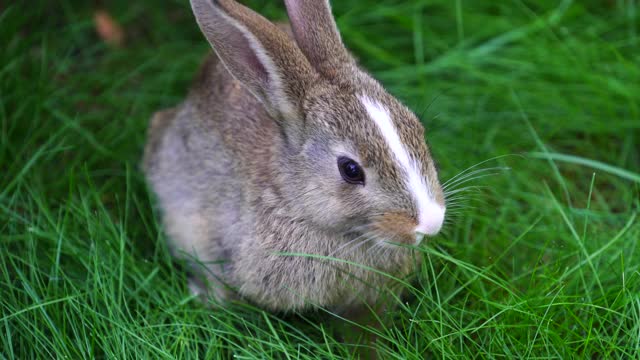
{"x":430,"y":214}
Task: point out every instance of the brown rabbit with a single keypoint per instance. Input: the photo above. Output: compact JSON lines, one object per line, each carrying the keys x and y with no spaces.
{"x":285,"y":147}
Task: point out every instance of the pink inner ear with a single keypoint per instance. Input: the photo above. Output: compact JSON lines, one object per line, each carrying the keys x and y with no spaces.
{"x":244,"y":55}
{"x":232,"y":46}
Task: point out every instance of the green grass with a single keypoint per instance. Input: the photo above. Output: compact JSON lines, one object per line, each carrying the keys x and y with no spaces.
{"x":541,"y":261}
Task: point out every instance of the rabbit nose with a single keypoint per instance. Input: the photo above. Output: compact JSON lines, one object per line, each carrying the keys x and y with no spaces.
{"x":430,"y":222}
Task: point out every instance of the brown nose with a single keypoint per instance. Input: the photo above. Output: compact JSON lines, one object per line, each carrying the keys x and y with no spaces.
{"x":398,"y":227}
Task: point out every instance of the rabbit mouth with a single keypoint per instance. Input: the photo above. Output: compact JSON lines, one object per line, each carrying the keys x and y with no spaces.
{"x":387,"y":229}
{"x":384,"y":230}
{"x":396,"y":228}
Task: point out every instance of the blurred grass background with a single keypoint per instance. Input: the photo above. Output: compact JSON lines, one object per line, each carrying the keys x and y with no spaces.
{"x":541,"y":261}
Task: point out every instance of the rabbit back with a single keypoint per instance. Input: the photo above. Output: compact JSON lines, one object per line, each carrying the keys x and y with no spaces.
{"x":194,"y":164}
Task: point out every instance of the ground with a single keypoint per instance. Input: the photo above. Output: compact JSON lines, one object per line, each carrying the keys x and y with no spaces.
{"x":538,"y":259}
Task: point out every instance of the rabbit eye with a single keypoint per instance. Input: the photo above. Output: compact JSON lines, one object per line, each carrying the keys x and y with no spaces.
{"x":350,"y":170}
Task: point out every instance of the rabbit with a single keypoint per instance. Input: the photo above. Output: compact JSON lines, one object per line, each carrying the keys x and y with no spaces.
{"x":289,"y":177}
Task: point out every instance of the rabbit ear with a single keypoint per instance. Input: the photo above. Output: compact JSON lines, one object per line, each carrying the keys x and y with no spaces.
{"x":317,"y":35}
{"x":256,"y":53}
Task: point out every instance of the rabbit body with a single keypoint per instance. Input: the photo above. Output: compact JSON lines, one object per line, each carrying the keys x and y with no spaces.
{"x":211,"y":161}
{"x":245,"y":169}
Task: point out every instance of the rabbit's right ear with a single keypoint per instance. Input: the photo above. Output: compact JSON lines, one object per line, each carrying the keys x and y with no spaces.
{"x":257,"y":53}
{"x":317,"y":35}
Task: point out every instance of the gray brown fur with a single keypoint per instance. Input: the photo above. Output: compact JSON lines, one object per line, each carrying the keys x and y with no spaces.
{"x":245,"y":167}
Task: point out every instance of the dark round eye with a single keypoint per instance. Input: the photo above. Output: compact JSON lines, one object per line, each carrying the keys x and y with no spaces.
{"x":350,"y":170}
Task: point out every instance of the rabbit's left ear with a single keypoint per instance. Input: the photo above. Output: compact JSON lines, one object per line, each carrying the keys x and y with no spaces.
{"x":262,"y":57}
{"x":318,"y":37}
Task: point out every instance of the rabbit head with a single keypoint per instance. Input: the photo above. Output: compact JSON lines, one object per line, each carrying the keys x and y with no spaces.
{"x":353,"y":158}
